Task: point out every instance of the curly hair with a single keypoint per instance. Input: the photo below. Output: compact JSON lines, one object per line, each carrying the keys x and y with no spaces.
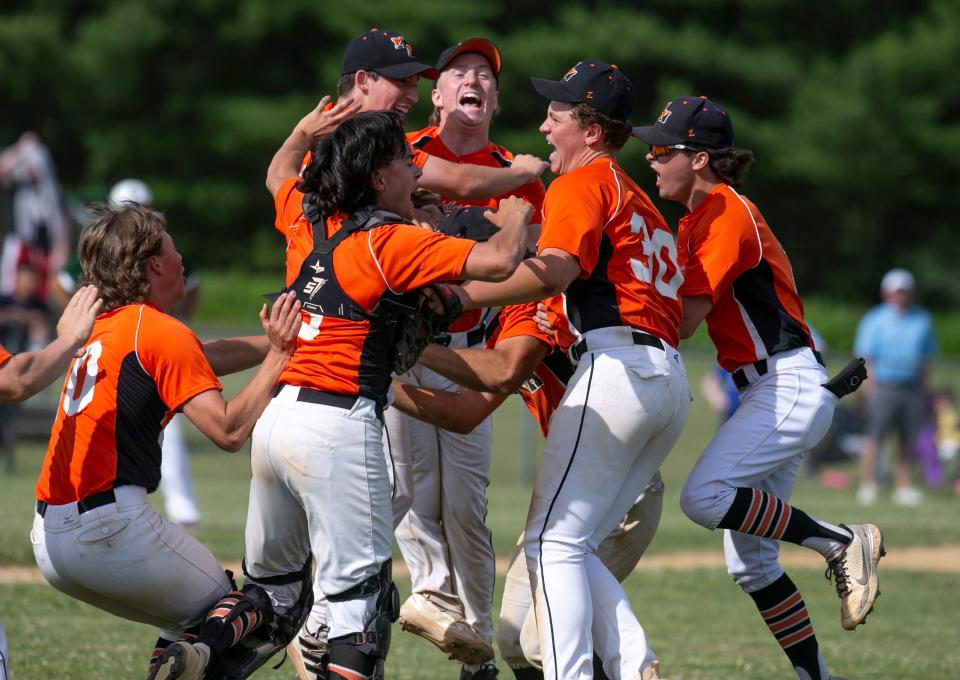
{"x":338,"y":177}
{"x":115,"y":251}
{"x":615,"y":132}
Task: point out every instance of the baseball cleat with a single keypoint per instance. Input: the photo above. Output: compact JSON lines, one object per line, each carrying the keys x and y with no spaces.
{"x":854,"y":570}
{"x":455,"y":637}
{"x":181,"y":661}
{"x":651,"y":672}
{"x":487,"y":671}
{"x":309,"y":655}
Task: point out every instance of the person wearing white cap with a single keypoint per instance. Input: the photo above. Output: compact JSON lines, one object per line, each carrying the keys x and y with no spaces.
{"x":898,"y":342}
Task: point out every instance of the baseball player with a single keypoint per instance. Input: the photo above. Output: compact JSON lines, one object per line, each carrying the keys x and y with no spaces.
{"x":95,"y":536}
{"x":738,"y":278}
{"x":380,"y":73}
{"x":444,"y":538}
{"x":320,"y":480}
{"x":179,"y":499}
{"x":522,"y":358}
{"x":607,"y":246}
{"x":25,"y":374}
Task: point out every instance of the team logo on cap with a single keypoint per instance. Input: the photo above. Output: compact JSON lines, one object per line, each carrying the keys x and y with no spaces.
{"x":664,"y":115}
{"x":572,"y":72}
{"x":400,"y":44}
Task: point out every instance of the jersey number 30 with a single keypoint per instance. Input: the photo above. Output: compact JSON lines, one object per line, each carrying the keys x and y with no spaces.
{"x":658,"y":247}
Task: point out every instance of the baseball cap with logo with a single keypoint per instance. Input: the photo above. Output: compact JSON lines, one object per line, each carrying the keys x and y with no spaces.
{"x":689,"y":120}
{"x":481,"y":46}
{"x":594,"y":83}
{"x":895,"y":280}
{"x":467,"y":222}
{"x":384,"y":52}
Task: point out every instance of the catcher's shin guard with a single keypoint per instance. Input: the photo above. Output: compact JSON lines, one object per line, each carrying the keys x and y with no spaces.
{"x":366,"y":651}
{"x":272,"y":635}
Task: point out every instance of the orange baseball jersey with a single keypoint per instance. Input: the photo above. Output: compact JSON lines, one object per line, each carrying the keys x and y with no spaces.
{"x":628,"y":268}
{"x":332,"y":353}
{"x":728,"y":252}
{"x":542,"y":391}
{"x":4,"y":355}
{"x":138,"y":367}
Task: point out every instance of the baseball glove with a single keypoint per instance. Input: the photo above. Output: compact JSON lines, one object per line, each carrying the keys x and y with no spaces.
{"x":437,"y":307}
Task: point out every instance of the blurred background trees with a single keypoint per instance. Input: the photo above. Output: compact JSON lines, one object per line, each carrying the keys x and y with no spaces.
{"x":852,"y":107}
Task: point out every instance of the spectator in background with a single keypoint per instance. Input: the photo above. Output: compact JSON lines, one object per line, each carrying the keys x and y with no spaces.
{"x":898,"y":342}
{"x":38,"y":232}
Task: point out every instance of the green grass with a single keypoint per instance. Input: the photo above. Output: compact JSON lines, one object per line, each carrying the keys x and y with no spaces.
{"x":698,"y":621}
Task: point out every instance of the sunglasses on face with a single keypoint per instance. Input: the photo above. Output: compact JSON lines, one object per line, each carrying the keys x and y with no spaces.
{"x":661,"y":150}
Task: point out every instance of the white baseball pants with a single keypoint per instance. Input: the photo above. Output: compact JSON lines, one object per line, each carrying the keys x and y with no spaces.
{"x":622,"y":412}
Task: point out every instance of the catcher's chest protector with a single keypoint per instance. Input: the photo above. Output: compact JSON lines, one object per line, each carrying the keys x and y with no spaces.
{"x":320,"y":292}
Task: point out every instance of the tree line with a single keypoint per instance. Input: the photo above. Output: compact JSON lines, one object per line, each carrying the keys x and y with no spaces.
{"x":852,"y":108}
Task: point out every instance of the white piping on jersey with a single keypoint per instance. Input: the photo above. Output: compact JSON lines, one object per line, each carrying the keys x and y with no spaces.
{"x":377,"y":262}
{"x":136,"y":340}
{"x":758,"y":347}
{"x":566,"y":312}
{"x":756,"y":227}
{"x":619,"y":196}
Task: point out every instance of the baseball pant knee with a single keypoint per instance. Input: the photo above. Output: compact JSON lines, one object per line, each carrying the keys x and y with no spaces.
{"x":706,"y":504}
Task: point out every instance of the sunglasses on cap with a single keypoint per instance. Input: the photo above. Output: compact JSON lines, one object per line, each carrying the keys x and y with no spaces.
{"x":661,"y":150}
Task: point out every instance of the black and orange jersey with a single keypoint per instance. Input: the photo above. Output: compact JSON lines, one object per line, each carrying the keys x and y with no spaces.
{"x":628,"y":270}
{"x":138,"y":367}
{"x":727,"y":252}
{"x":331,"y":352}
{"x":542,"y":391}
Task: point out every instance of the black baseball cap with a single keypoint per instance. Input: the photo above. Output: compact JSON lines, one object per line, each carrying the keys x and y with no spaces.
{"x":467,"y":222}
{"x":480,"y":46}
{"x":384,"y":52}
{"x":594,"y":83}
{"x":689,"y":120}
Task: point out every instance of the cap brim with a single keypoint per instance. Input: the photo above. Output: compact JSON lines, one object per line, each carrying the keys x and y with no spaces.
{"x":655,"y":135}
{"x":407,"y":69}
{"x":554,"y":90}
{"x":480,"y":46}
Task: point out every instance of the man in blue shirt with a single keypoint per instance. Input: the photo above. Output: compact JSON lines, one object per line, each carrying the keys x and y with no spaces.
{"x":898,"y":342}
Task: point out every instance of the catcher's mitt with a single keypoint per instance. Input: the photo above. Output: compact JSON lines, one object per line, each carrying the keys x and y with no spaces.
{"x":437,"y":307}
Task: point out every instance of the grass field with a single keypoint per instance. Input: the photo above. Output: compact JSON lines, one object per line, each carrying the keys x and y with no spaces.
{"x":699,"y":623}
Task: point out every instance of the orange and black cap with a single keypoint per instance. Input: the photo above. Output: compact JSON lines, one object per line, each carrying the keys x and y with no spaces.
{"x":481,"y":46}
{"x":689,"y":120}
{"x":384,"y":52}
{"x":594,"y":83}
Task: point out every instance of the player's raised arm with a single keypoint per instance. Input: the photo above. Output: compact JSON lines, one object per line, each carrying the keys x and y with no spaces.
{"x":467,"y":182}
{"x":228,"y":423}
{"x":315,"y":126}
{"x":25,"y":374}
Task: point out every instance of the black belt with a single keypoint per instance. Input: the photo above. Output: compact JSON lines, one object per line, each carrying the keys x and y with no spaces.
{"x":89,"y":503}
{"x":475,"y":336}
{"x":639,"y":338}
{"x":344,"y":401}
{"x":740,"y":377}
